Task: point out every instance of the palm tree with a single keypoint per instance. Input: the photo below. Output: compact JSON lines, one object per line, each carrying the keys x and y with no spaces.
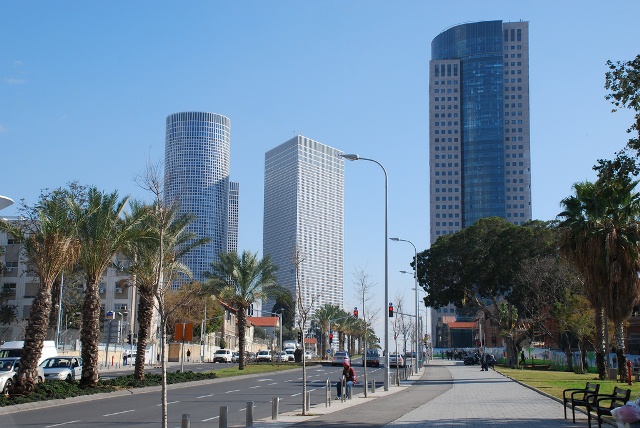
{"x":323,"y":315}
{"x":49,"y":241}
{"x":600,"y":235}
{"x":144,"y":253}
{"x":240,"y":281}
{"x":102,"y":231}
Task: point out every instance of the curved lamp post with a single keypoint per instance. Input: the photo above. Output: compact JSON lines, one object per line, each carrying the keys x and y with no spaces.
{"x":415,"y":277}
{"x":353,"y":157}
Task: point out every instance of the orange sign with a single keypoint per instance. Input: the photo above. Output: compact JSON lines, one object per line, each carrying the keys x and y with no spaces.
{"x":183,"y":332}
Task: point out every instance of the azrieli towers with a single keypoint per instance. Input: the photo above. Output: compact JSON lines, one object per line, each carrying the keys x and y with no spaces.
{"x":197,"y":159}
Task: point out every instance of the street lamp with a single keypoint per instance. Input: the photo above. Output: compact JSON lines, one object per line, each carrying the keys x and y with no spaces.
{"x":59,"y":312}
{"x":354,"y":157}
{"x":415,"y":277}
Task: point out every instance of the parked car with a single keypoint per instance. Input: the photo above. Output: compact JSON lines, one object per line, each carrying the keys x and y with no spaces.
{"x":62,"y":368}
{"x":291,"y":354}
{"x":308,"y":355}
{"x":396,"y":360}
{"x":250,"y":357}
{"x":281,"y":356}
{"x":9,"y":371}
{"x":373,"y":358}
{"x":222,"y":356}
{"x":235,"y":357}
{"x":340,"y":357}
{"x":263,"y":356}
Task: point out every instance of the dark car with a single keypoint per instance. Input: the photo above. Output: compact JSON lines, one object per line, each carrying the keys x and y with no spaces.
{"x":472,"y":359}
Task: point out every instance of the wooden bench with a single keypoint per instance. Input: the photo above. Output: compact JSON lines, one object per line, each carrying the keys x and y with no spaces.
{"x":603,"y":404}
{"x":578,"y":397}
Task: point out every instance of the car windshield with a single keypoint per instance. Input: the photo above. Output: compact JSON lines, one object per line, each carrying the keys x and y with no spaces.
{"x":6,"y":365}
{"x":221,"y":352}
{"x":341,"y":354}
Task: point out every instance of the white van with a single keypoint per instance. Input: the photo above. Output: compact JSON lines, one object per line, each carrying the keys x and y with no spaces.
{"x":14,"y":349}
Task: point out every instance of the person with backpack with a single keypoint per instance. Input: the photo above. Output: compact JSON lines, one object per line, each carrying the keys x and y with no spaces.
{"x":350,"y":379}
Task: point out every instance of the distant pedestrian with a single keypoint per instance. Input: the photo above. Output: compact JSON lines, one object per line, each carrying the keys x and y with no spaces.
{"x":523,"y":359}
{"x":158,"y":357}
{"x":614,"y":362}
{"x":124,"y":358}
{"x":188,"y":354}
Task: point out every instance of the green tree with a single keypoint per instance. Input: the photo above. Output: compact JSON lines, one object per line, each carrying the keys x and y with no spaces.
{"x":240,"y":281}
{"x":600,"y":237}
{"x":623,"y":80}
{"x":103,"y":231}
{"x":48,"y":236}
{"x":575,"y":318}
{"x":323,"y":315}
{"x":154,"y":225}
{"x":477,"y":269}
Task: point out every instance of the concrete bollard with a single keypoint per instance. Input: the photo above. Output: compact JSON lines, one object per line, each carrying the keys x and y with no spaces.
{"x":327,"y":394}
{"x":308,"y":404}
{"x":249,"y":413}
{"x":222,"y":422}
{"x":275,"y":408}
{"x":186,"y":420}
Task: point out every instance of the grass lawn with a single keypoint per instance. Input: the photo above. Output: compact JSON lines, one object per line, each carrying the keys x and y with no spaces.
{"x":554,"y":382}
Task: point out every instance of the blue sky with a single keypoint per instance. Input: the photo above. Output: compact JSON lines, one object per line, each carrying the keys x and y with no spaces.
{"x":85,"y":88}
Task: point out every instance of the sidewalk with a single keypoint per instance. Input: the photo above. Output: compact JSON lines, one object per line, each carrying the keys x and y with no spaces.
{"x":446,"y":394}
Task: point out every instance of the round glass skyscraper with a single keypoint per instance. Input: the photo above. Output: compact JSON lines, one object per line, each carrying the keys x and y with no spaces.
{"x":197,"y":151}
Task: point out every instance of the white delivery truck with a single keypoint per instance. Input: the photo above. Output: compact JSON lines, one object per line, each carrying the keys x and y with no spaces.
{"x":14,"y":349}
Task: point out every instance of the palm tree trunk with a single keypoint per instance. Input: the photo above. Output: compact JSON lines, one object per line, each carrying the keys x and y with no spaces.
{"x":242,"y":323}
{"x":90,"y":335}
{"x":55,"y":309}
{"x":620,"y":352}
{"x":34,"y":337}
{"x":145,"y":314}
{"x":600,"y":346}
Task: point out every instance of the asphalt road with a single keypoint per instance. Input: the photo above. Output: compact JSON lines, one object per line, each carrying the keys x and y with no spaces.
{"x":202,"y":401}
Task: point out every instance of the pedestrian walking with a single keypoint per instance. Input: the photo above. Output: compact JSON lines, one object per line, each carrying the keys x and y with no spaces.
{"x":523,"y":359}
{"x":188,"y":354}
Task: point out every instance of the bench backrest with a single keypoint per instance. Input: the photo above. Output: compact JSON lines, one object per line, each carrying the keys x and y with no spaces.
{"x":621,"y":393}
{"x":592,"y":387}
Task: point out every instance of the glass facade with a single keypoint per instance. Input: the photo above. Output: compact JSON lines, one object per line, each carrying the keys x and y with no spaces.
{"x":197,"y":178}
{"x":472,"y":82}
{"x":304,"y":212}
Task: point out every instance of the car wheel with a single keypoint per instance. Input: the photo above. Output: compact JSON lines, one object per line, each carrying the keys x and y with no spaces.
{"x":68,"y":378}
{"x":7,"y":387}
{"x":39,"y":379}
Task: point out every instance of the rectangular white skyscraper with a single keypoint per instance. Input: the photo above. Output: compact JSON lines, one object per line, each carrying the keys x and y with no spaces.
{"x":304,"y":211}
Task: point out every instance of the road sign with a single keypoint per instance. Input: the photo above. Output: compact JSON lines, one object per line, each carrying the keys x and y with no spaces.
{"x":109,"y":315}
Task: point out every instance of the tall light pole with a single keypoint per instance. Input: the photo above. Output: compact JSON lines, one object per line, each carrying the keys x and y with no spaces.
{"x":353,"y":157}
{"x":59,"y":312}
{"x":415,"y":277}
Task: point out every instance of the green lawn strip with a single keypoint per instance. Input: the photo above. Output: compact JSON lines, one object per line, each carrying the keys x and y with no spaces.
{"x":62,"y":389}
{"x":554,"y":382}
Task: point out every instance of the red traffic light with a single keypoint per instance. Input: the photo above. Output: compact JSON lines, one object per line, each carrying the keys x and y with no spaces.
{"x":390,"y":310}
{"x":355,"y":312}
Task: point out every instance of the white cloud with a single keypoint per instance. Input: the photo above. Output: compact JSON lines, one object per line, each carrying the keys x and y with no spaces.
{"x":14,"y":81}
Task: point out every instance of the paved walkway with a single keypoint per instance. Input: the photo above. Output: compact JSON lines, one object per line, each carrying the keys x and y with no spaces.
{"x":446,"y":394}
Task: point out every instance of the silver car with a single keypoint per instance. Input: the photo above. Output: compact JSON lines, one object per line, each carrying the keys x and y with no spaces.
{"x":62,"y":368}
{"x":9,"y":371}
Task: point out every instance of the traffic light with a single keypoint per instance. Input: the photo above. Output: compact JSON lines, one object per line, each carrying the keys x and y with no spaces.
{"x":299,"y":337}
{"x":355,"y":312}
{"x":390,"y":310}
{"x":129,"y":338}
{"x":330,"y":338}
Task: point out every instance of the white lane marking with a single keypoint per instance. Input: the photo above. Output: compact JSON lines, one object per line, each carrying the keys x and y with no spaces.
{"x":210,"y":419}
{"x":243,"y":409}
{"x":205,"y":396}
{"x":263,"y":380}
{"x":63,"y":423}
{"x":235,"y":390}
{"x":295,"y":395}
{"x":274,"y":383}
{"x":170,"y":402}
{"x":253,"y":387}
{"x":118,"y":413}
